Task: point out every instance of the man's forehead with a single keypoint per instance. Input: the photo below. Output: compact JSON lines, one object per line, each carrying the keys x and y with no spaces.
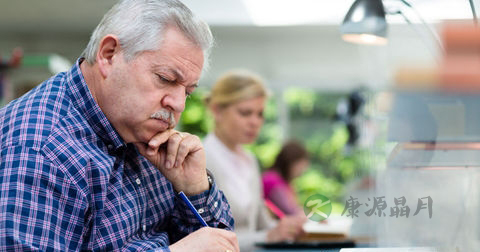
{"x":179,"y":56}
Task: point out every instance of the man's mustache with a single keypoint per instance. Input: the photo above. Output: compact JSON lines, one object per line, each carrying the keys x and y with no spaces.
{"x":166,"y":116}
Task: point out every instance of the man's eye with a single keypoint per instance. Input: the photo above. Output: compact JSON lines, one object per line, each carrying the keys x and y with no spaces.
{"x":163,"y":79}
{"x":188,"y":94}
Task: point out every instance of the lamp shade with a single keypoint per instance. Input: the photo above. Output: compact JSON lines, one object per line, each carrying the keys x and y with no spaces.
{"x":365,"y":23}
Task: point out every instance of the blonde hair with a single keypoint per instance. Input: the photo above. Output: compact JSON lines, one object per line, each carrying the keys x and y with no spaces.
{"x":236,"y":86}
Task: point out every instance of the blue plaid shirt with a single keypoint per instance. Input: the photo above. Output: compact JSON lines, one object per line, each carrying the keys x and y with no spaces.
{"x":69,"y":182}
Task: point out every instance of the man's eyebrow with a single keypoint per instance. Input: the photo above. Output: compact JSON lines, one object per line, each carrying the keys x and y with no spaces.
{"x":178,"y":75}
{"x":181,"y":78}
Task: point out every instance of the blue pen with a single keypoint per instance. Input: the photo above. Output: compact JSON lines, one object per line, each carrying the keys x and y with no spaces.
{"x":192,"y":208}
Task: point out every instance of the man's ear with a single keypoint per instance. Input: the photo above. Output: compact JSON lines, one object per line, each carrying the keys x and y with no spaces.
{"x":109,"y":48}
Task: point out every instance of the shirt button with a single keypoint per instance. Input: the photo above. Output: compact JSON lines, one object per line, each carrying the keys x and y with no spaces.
{"x":144,"y":228}
{"x":138,"y":181}
{"x":200,"y":211}
{"x":215,"y":204}
{"x":110,"y":147}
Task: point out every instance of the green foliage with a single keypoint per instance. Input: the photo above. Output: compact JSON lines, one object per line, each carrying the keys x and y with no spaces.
{"x":312,"y":121}
{"x":195,"y":119}
{"x":314,"y":182}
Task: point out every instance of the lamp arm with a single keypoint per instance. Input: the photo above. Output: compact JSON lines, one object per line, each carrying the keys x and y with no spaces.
{"x":429,"y":28}
{"x":474,"y":13}
{"x":472,"y":7}
{"x":421,"y":34}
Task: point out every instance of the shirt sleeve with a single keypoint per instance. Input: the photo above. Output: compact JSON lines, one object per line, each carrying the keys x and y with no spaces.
{"x":265,"y":219}
{"x":211,"y":205}
{"x":40,"y":209}
{"x":279,"y":196}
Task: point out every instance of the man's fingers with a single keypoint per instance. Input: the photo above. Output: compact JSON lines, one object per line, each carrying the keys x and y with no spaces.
{"x":234,"y":242}
{"x":176,"y":148}
{"x":172,"y":149}
{"x":144,"y":151}
{"x":159,"y":139}
{"x":183,"y":150}
{"x":230,"y":237}
{"x":208,"y":239}
{"x":224,"y":244}
{"x":156,"y":141}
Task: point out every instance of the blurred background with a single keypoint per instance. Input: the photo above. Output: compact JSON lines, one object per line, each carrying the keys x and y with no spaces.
{"x":330,"y":94}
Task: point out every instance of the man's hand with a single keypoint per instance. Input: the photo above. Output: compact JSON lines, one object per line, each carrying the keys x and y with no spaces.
{"x":181,"y":159}
{"x":288,"y":228}
{"x":208,"y":239}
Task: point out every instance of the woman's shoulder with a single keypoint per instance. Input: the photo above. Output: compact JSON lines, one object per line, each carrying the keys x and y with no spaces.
{"x":208,"y":140}
{"x":217,"y":158}
{"x":212,"y":144}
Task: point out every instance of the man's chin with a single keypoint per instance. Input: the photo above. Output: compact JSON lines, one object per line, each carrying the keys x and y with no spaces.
{"x":172,"y":126}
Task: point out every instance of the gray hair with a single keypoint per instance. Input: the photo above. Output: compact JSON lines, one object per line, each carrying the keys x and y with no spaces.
{"x":139,"y":26}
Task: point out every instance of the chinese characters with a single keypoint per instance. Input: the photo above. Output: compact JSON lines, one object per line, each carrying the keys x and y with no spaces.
{"x":379,"y":207}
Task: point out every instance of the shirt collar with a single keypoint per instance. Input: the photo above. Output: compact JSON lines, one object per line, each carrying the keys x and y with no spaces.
{"x":83,"y":101}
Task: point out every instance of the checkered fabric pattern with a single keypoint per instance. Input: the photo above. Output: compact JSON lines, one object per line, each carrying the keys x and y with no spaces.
{"x":69,"y":182}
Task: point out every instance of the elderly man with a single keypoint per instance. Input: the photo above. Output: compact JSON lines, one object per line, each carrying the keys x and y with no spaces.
{"x":90,"y":159}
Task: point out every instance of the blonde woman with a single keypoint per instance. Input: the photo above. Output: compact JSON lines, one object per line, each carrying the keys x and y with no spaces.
{"x":237,"y":102}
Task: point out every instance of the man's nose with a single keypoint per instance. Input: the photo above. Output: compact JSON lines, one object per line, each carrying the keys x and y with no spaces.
{"x":175,"y":99}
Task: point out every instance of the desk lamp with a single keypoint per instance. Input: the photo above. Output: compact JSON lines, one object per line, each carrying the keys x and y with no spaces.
{"x":365,"y":22}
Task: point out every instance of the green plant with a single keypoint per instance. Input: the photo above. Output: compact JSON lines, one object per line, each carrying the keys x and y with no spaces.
{"x":312,"y":121}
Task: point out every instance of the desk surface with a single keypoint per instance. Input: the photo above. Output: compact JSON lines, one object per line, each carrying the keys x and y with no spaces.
{"x":303,"y":250}
{"x":291,"y":247}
